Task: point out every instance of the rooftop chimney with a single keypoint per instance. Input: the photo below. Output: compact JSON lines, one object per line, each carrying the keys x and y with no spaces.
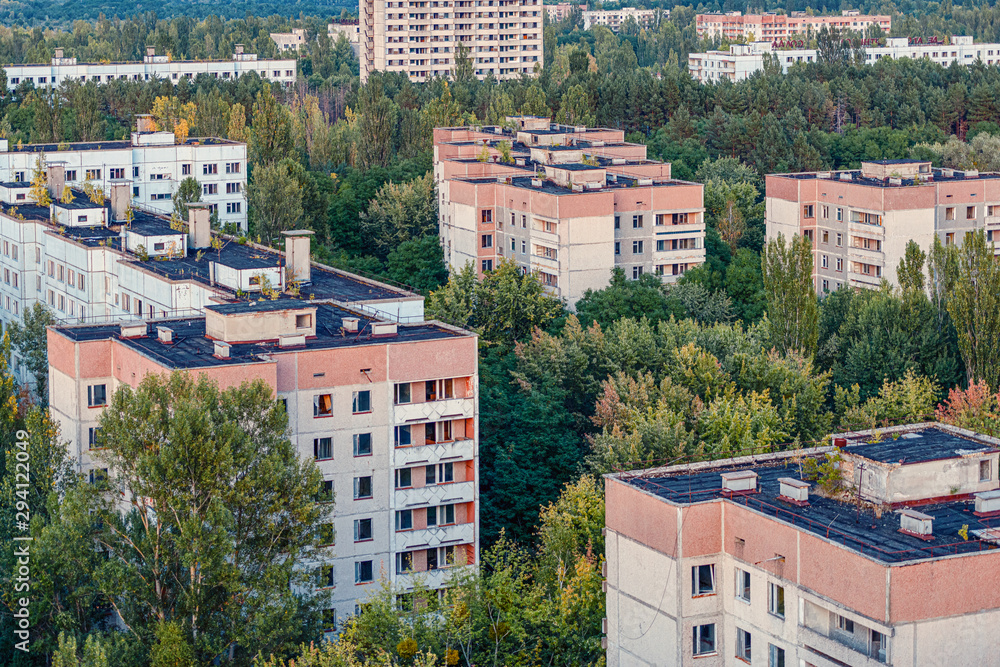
{"x":57,"y":180}
{"x":199,"y":225}
{"x":133,"y":329}
{"x":222,"y":349}
{"x":793,"y":491}
{"x":293,"y":340}
{"x":739,"y":482}
{"x":916,"y":524}
{"x":350,"y":324}
{"x":987,"y":503}
{"x":58,"y":53}
{"x":144,"y":123}
{"x":238,"y":49}
{"x":150,"y":51}
{"x":297,"y":264}
{"x":120,"y":198}
{"x":165,"y":335}
{"x":384,"y":328}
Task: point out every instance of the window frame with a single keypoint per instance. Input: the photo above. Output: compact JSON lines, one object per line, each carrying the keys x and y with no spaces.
{"x":744,"y":645}
{"x":696,"y":574}
{"x":92,"y":398}
{"x":362,"y":527}
{"x":743,"y":585}
{"x":699,"y":633}
{"x":776,"y":600}
{"x":318,"y":409}
{"x":364,"y":572}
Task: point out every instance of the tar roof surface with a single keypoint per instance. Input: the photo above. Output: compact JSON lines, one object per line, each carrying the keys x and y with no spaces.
{"x":191,"y":349}
{"x":111,"y":145}
{"x":938,"y":177}
{"x":927,"y":444}
{"x":861,"y":531}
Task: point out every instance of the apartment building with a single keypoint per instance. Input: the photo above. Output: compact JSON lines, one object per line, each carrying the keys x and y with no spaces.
{"x":742,"y":60}
{"x":387,"y":410}
{"x":770,"y":26}
{"x":560,"y":11}
{"x":349,"y":29}
{"x":420,"y":37}
{"x":859,"y":221}
{"x":152,"y":164}
{"x":747,"y":561}
{"x":613,"y":19}
{"x":152,"y":67}
{"x":572,"y":204}
{"x":289,"y":41}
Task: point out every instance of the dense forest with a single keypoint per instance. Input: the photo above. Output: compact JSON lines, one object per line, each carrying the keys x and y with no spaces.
{"x":740,"y":356}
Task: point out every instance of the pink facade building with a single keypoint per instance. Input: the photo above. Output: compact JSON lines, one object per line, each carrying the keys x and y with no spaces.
{"x":860,"y":220}
{"x":772,"y":27}
{"x":746,"y":561}
{"x":570,"y":203}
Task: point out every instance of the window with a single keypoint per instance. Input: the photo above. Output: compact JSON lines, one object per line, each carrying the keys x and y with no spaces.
{"x":118,"y":173}
{"x":636,"y":247}
{"x":840,"y":264}
{"x":322,"y":405}
{"x":985,"y":471}
{"x":404,"y":478}
{"x":362,"y":444}
{"x":826,"y":285}
{"x":207,"y":169}
{"x":324,"y":535}
{"x":185,"y":170}
{"x":403,"y":393}
{"x":487,"y":265}
{"x":363,"y":572}
{"x":403,"y":436}
{"x":618,"y":247}
{"x":825,"y":211}
{"x":776,"y":599}
{"x":825,"y":261}
{"x":487,"y":240}
{"x":93,"y":174}
{"x":234,"y":207}
{"x":486,"y":217}
{"x":71,"y":174}
{"x":704,"y":639}
{"x":362,"y":401}
{"x":636,"y":272}
{"x":775,"y":656}
{"x":329,"y":615}
{"x":92,"y":437}
{"x":636,"y":222}
{"x":826,"y":237}
{"x":742,"y":644}
{"x":362,"y":487}
{"x":949,"y":213}
{"x":210,"y":189}
{"x":840,"y":215}
{"x":404,"y":520}
{"x":233,"y":167}
{"x":97,"y":395}
{"x":324,"y":576}
{"x":845,"y":624}
{"x":702,"y":580}
{"x":524,"y":222}
{"x":442,"y":473}
{"x":970,"y":212}
{"x":325,"y":494}
{"x":878,"y":645}
{"x":362,"y":530}
{"x":807,"y":211}
{"x":98,"y":475}
{"x":949,"y":239}
{"x":743,"y":585}
{"x":323,"y":448}
{"x":404,"y":562}
{"x":618,"y":222}
{"x":440,"y":516}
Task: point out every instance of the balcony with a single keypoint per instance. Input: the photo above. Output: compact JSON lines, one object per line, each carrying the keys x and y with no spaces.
{"x":441,"y":536}
{"x":824,"y":651}
{"x":862,"y":280}
{"x":431,"y":579}
{"x":438,"y":494}
{"x":452,"y":408}
{"x":441,"y":452}
{"x":865,"y":255}
{"x":681,"y":255}
{"x":871,"y":231}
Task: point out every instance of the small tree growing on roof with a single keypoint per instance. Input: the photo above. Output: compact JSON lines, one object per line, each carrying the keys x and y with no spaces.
{"x":39,"y":187}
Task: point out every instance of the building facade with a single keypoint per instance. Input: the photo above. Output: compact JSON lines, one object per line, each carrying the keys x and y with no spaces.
{"x":289,"y":41}
{"x":860,"y":221}
{"x":151,"y":68}
{"x":421,"y":38}
{"x":743,"y":60}
{"x":613,"y":19}
{"x":571,"y":204}
{"x":744,"y":561}
{"x":351,"y":30}
{"x":769,"y":27}
{"x":560,"y":11}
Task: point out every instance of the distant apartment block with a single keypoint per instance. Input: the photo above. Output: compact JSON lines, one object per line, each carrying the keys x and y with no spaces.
{"x":613,"y":19}
{"x":420,"y":38}
{"x":289,"y":41}
{"x":153,"y":67}
{"x":747,"y":561}
{"x":770,"y":26}
{"x":150,"y":164}
{"x":351,"y":30}
{"x":560,"y":11}
{"x":743,"y":60}
{"x":572,"y":204}
{"x":859,"y":221}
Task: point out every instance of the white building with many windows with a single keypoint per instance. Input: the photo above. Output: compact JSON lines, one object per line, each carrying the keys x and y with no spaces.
{"x":152,"y":67}
{"x":151,"y":162}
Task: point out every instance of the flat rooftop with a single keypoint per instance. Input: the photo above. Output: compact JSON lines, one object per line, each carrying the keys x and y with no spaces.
{"x":191,"y":349}
{"x":112,"y":145}
{"x":854,"y":527}
{"x":918,"y":446}
{"x":550,"y":187}
{"x":834,"y":176}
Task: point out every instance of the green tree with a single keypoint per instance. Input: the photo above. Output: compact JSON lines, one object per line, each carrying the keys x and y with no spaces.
{"x":792,"y":311}
{"x":418,"y":263}
{"x":188,"y":191}
{"x":274,"y":197}
{"x":535,"y":103}
{"x":627,"y":298}
{"x":220,"y":515}
{"x":576,"y":108}
{"x":509,"y":305}
{"x":910,"y":272}
{"x":745,"y":286}
{"x":271,"y":131}
{"x":399,"y":213}
{"x":464,"y":70}
{"x":29,"y":340}
{"x":376,"y":124}
{"x":974,"y":306}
